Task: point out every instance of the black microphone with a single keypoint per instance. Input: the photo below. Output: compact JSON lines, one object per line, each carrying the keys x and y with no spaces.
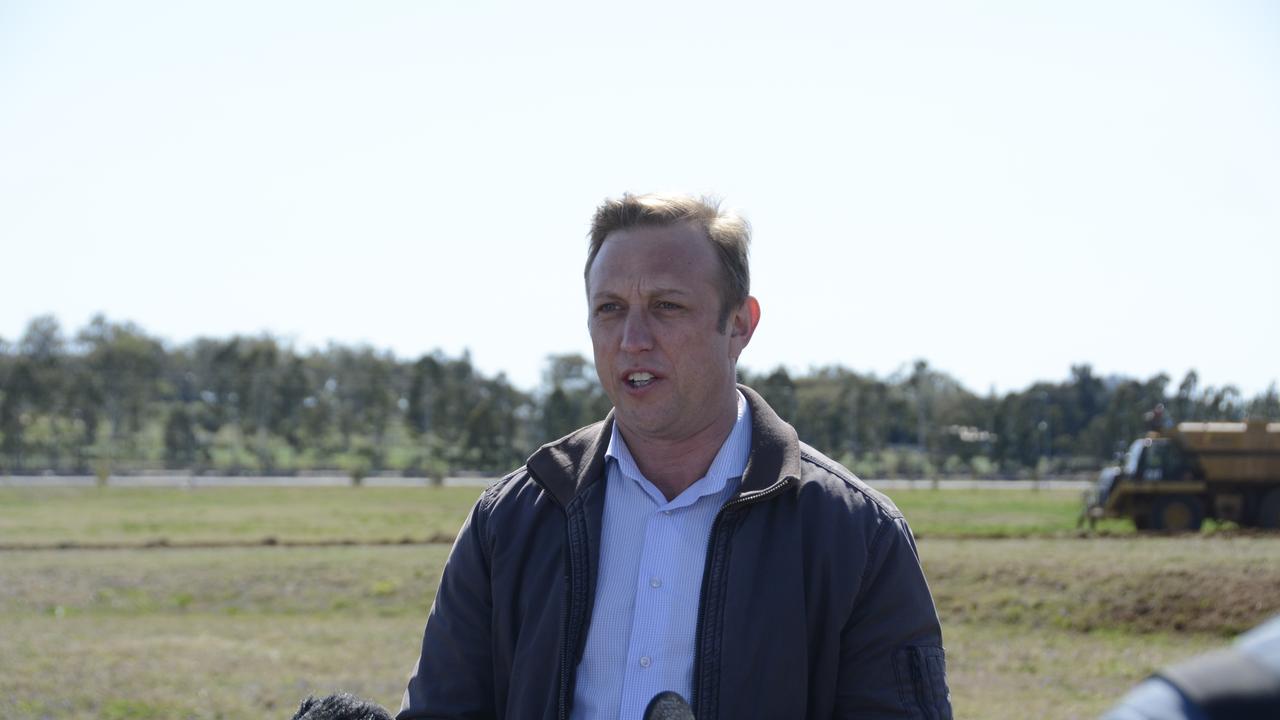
{"x":340,"y":706}
{"x":668,"y":705}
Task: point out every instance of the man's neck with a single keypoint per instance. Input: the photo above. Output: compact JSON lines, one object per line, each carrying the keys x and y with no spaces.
{"x":673,"y":465}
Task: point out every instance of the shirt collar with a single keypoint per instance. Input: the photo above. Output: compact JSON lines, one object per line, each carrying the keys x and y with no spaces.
{"x":729,"y":463}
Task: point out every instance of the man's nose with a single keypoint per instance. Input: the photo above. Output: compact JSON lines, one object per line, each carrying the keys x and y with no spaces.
{"x":635,"y":332}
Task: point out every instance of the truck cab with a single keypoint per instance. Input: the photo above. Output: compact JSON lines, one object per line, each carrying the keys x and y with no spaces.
{"x":1155,"y":458}
{"x":1156,"y":484}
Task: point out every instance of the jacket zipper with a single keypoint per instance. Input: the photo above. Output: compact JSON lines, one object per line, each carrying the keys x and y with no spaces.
{"x":563,"y":711}
{"x":917,"y":680}
{"x":563,"y":701}
{"x":706,"y":575}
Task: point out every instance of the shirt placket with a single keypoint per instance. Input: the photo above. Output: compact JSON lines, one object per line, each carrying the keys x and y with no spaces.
{"x":645,"y":661}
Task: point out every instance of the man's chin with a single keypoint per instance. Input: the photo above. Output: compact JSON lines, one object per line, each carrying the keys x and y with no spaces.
{"x":639,"y":424}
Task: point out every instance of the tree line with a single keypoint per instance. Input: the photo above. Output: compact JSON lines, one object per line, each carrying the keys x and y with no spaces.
{"x":113,"y":399}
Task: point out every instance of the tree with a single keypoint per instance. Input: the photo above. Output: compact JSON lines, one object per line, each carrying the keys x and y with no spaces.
{"x":181,"y":447}
{"x":126,"y":366}
{"x":31,"y":397}
{"x":779,"y":391}
{"x":1266,"y":406}
{"x":1183,"y":407}
{"x":117,"y":393}
{"x":575,"y":398}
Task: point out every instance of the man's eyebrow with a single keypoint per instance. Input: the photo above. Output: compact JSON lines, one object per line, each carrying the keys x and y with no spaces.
{"x":602,"y":294}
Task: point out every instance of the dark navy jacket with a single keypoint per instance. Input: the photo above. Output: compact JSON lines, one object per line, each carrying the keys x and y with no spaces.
{"x":813,"y":601}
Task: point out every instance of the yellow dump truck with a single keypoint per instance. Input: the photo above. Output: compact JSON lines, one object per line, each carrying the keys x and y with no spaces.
{"x":1175,"y":478}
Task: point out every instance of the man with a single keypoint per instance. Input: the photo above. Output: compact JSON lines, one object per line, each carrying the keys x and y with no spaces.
{"x":689,"y":542}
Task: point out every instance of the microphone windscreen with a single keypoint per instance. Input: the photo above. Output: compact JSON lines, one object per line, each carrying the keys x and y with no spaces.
{"x":339,"y":706}
{"x":668,"y":705}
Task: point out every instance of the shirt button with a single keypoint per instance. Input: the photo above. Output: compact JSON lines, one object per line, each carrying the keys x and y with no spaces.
{"x":655,"y":582}
{"x":667,"y":513}
{"x":645,"y":661}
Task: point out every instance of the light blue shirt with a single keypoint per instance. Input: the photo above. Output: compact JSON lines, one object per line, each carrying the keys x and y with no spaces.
{"x":652,"y":553}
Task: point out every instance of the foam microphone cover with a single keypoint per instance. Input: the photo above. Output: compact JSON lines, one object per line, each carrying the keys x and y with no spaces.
{"x":340,"y":706}
{"x":668,"y":705}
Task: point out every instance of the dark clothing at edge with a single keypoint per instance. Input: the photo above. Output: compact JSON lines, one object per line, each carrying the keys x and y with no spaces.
{"x":813,"y":602}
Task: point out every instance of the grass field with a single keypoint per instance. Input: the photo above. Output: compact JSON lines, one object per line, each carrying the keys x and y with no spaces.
{"x":44,"y":517}
{"x":204,"y":607}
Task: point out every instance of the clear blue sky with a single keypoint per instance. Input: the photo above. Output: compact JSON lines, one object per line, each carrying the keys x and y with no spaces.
{"x":1001,"y":188}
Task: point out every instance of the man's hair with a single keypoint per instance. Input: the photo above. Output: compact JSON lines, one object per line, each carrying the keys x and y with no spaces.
{"x":728,"y":232}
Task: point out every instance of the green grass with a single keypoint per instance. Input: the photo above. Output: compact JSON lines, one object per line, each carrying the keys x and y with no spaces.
{"x":1002,"y":672}
{"x":199,"y":665}
{"x":995,"y":513}
{"x":1038,"y":621}
{"x":137,"y":516}
{"x":1061,"y":627}
{"x":49,"y":516}
{"x":208,"y":633}
{"x":228,"y":581}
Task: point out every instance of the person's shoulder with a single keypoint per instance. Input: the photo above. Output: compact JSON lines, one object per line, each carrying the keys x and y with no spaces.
{"x":844,"y":518}
{"x":554,"y":464}
{"x":505,"y":489}
{"x":822,"y":476}
{"x":565,"y":456}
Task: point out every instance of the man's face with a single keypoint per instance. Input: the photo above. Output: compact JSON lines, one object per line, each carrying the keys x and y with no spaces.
{"x":654,"y":301}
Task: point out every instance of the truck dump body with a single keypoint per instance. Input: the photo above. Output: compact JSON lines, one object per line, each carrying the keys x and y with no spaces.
{"x":1176,"y":478}
{"x":1233,"y":451}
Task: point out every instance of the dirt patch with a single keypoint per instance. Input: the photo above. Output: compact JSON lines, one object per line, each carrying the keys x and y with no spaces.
{"x":1205,"y":585}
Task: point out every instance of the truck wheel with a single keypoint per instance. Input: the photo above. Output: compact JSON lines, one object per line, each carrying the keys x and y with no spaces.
{"x":1177,"y":513}
{"x":1269,"y":510}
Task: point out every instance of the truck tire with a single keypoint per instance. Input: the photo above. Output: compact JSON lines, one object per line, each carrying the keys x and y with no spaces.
{"x":1269,"y":510}
{"x":1177,"y":513}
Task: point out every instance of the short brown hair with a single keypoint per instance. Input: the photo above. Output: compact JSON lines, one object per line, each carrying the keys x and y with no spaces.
{"x":728,"y":232}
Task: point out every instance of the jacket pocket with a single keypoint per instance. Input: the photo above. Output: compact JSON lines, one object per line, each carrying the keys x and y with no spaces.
{"x":921,"y":673}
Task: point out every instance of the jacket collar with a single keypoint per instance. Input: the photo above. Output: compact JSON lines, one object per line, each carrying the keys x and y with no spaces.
{"x":569,"y":465}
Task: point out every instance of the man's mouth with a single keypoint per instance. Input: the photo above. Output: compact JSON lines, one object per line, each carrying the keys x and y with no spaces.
{"x":639,"y":379}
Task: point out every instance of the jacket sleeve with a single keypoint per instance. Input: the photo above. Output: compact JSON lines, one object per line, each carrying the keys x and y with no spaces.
{"x":891,"y":659}
{"x":454,"y":674}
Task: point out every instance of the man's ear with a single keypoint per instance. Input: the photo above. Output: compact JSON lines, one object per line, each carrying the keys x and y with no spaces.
{"x":742,"y":325}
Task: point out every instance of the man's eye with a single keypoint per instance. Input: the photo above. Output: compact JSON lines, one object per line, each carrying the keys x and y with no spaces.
{"x":666,"y":305}
{"x":607,"y":307}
